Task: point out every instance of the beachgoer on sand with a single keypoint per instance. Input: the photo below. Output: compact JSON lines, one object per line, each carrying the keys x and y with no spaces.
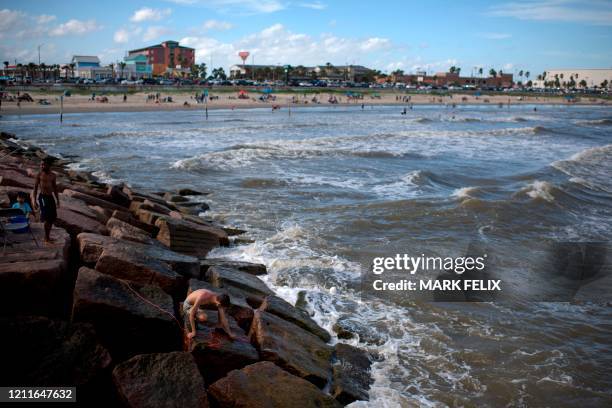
{"x":48,"y":205}
{"x":204,"y":297}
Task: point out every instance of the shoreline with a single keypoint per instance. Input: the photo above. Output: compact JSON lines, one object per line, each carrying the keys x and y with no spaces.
{"x":121,"y":263}
{"x":138,"y":102}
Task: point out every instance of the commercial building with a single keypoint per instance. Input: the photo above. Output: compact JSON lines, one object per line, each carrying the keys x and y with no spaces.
{"x":354,"y":73}
{"x":167,"y":58}
{"x":575,"y":78}
{"x":500,"y":80}
{"x":88,"y":67}
{"x":137,"y":67}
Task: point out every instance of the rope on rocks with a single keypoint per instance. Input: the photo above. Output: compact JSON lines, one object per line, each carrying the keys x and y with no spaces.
{"x":186,"y":340}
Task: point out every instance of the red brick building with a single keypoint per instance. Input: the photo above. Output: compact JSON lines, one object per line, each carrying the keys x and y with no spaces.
{"x":167,"y":58}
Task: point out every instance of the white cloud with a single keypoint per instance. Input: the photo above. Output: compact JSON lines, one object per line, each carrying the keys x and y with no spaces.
{"x":155,"y":32}
{"x":121,"y":36}
{"x":10,"y":19}
{"x":316,"y":5}
{"x":496,"y":36}
{"x":217,"y":25}
{"x":149,"y":14}
{"x":45,"y":19}
{"x":278,"y":45}
{"x":74,"y":26}
{"x":594,"y":12}
{"x":237,"y":6}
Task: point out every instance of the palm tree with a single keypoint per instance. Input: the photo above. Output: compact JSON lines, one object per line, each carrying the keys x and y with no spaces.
{"x":480,"y":71}
{"x":122,"y":65}
{"x":492,"y":72}
{"x":6,"y":64}
{"x":112,"y":67}
{"x":583,"y":83}
{"x":452,"y":69}
{"x":43,"y":69}
{"x":72,"y":65}
{"x":527,"y":74}
{"x":457,"y":70}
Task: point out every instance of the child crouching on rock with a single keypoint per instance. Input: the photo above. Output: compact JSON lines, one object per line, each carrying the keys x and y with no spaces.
{"x":204,"y":297}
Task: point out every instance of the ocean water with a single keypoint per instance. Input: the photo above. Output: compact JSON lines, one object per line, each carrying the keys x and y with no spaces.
{"x":325,"y":190}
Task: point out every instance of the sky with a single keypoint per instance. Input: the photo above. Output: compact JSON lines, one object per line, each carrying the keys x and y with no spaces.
{"x":529,"y":35}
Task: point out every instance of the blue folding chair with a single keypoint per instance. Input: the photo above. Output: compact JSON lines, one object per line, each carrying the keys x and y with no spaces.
{"x":14,"y":220}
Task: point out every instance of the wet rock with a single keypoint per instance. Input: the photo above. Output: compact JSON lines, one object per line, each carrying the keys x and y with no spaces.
{"x":123,"y":230}
{"x":188,"y":237}
{"x":117,"y":196}
{"x":247,"y":267}
{"x":265,"y":385}
{"x":215,"y":353}
{"x":160,"y":380}
{"x":190,"y":192}
{"x":225,"y":277}
{"x":102,"y":214}
{"x":149,"y":217}
{"x":239,"y":308}
{"x":155,"y":207}
{"x":291,"y":348}
{"x":284,"y":310}
{"x":37,"y":350}
{"x":351,"y":374}
{"x":125,"y":322}
{"x":173,"y":198}
{"x":347,"y":328}
{"x":91,"y":200}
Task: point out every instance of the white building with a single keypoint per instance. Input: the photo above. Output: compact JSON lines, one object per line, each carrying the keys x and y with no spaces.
{"x":592,"y":77}
{"x":88,"y":67}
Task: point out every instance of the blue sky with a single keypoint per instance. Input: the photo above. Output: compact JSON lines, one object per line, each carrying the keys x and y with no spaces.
{"x":532,"y":35}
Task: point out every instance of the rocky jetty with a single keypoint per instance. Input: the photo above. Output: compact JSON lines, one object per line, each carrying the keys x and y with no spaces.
{"x":101,"y":307}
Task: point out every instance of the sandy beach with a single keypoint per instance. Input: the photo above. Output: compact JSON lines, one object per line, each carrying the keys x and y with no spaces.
{"x":181,"y":100}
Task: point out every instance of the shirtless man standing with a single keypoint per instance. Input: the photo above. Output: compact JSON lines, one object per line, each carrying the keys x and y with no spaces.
{"x":203,"y":297}
{"x":46,"y":180}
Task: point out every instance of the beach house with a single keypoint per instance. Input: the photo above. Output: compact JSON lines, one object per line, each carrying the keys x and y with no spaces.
{"x":88,"y":67}
{"x":137,"y":67}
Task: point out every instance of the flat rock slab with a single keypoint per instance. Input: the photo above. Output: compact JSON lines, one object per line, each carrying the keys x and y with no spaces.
{"x":122,"y":230}
{"x":91,"y":247}
{"x":248,"y":267}
{"x":129,"y":319}
{"x":351,"y":374}
{"x":130,"y":219}
{"x":188,"y":237}
{"x":223,"y":277}
{"x":91,"y":200}
{"x":31,"y":277}
{"x":37,"y":350}
{"x":75,"y":222}
{"x":286,"y":311}
{"x":264,"y":385}
{"x":291,"y":348}
{"x":15,"y":179}
{"x":160,"y":380}
{"x":215,"y":353}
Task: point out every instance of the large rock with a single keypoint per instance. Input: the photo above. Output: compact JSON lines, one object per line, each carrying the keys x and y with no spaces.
{"x":15,"y":179}
{"x":230,"y":278}
{"x":149,"y":217}
{"x":76,"y":223}
{"x":248,"y":267}
{"x":239,"y":308}
{"x":91,"y":200}
{"x":122,"y":230}
{"x":31,"y":277}
{"x":127,"y":217}
{"x":117,"y":196}
{"x":263,"y":385}
{"x":351,"y":374}
{"x":130,"y":319}
{"x":43,"y":352}
{"x":91,"y":247}
{"x":160,"y":380}
{"x":286,"y":311}
{"x":188,"y":237}
{"x":293,"y":349}
{"x":215,"y":353}
{"x":190,"y":192}
{"x":173,"y":198}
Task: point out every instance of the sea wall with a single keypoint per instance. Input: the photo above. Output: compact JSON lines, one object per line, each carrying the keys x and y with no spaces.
{"x":100,"y":307}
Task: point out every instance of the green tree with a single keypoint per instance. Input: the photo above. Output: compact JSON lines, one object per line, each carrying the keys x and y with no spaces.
{"x":492,"y":72}
{"x":583,"y":83}
{"x":202,"y":70}
{"x":122,"y":66}
{"x":480,"y":71}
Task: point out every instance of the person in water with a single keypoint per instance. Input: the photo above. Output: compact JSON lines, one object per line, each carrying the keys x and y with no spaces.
{"x":47,"y":182}
{"x":205,"y":297}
